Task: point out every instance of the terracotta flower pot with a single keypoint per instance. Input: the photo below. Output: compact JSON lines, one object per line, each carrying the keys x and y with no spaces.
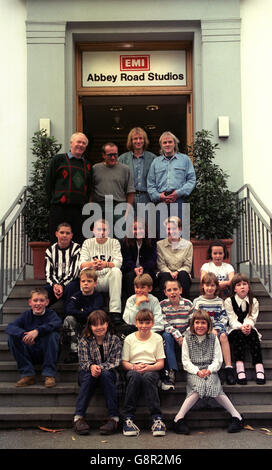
{"x":38,"y":250}
{"x":200,"y":253}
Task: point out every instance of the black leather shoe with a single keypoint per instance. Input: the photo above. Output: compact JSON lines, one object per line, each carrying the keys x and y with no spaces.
{"x":181,"y":427}
{"x":236,"y":425}
{"x":259,"y":380}
{"x":242,"y":381}
{"x":230,"y":376}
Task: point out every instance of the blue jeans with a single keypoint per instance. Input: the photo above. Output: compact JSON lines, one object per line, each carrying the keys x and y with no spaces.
{"x":88,"y":384}
{"x":148,"y":384}
{"x":44,"y":351}
{"x":169,"y":348}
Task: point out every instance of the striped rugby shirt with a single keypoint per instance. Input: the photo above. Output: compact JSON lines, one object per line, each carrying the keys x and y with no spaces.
{"x":62,"y":264}
{"x":177,"y":319}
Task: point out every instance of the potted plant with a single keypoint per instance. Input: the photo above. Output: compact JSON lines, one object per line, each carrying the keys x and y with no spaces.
{"x":36,"y":213}
{"x":213,"y":207}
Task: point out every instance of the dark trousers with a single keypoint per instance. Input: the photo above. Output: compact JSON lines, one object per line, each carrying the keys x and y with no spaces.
{"x":183,"y":278}
{"x":88,"y":384}
{"x":72,"y":214}
{"x":240,"y":342}
{"x":68,"y":291}
{"x":147,"y":384}
{"x":44,"y":351}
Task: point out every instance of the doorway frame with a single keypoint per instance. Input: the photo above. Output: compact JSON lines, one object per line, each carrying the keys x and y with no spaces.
{"x":187,"y":89}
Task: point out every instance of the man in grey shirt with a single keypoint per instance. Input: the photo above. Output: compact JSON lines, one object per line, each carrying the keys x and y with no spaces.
{"x":112,"y":179}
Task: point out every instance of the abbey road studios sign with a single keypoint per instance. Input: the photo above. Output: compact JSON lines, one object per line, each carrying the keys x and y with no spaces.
{"x":148,"y":68}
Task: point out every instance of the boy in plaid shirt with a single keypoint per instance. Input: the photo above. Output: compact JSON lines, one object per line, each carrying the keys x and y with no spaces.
{"x":176,"y":312}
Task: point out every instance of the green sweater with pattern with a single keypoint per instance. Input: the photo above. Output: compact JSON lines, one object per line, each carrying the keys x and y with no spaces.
{"x":68,"y":181}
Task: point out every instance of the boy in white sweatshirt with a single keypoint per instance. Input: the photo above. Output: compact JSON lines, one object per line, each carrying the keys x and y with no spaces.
{"x":103,"y":254}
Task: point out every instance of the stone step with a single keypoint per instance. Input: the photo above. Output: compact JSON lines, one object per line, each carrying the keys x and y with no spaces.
{"x":65,"y":394}
{"x":55,"y":407}
{"x":10,"y":314}
{"x":22,"y":288}
{"x":266,"y":350}
{"x":61,"y":417}
{"x":65,"y":372}
{"x":69,"y":372}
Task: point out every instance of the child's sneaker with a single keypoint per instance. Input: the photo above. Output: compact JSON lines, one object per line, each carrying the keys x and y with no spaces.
{"x":158,"y":427}
{"x":172,"y":376}
{"x":167,"y":382}
{"x":130,"y":428}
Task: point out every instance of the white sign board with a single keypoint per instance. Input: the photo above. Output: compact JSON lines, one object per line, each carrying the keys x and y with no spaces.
{"x":137,"y":68}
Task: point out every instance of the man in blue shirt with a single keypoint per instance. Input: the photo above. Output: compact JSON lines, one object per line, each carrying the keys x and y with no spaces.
{"x":171,"y":177}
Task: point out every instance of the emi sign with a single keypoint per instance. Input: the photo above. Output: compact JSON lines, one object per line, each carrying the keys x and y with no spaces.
{"x":134,"y":62}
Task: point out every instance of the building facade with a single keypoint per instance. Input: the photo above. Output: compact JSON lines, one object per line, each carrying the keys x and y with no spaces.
{"x":105,"y":67}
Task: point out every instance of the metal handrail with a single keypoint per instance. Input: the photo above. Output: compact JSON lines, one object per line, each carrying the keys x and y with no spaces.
{"x":253,"y":236}
{"x":15,"y":253}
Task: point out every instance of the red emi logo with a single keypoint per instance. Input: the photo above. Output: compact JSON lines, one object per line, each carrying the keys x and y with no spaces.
{"x":134,"y":62}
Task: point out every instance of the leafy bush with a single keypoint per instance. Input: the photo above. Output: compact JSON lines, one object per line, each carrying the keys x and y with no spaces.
{"x":36,"y":213}
{"x":214,"y":211}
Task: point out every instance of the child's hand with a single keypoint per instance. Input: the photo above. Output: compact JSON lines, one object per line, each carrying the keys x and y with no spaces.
{"x":141,"y":298}
{"x":174,"y":274}
{"x":29,"y":336}
{"x":139,"y":271}
{"x":143,"y":368}
{"x":95,"y":370}
{"x":214,"y":332}
{"x":203,"y":373}
{"x":246,"y":329}
{"x":58,"y":290}
{"x":179,"y":341}
{"x":99,"y":265}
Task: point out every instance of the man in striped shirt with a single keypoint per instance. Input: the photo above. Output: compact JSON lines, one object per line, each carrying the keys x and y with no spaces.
{"x":103,"y":254}
{"x":62,"y":266}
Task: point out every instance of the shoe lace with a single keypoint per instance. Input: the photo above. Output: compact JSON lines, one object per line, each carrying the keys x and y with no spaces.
{"x":132,"y":425}
{"x":157,"y":424}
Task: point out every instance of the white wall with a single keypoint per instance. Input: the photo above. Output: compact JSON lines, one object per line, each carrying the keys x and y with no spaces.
{"x":13,"y":110}
{"x":256,"y":66}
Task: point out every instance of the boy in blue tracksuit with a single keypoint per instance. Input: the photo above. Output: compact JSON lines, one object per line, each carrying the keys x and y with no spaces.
{"x":80,"y":305}
{"x":34,"y":339}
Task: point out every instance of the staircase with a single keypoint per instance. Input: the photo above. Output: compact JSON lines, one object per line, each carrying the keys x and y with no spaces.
{"x":36,"y":405}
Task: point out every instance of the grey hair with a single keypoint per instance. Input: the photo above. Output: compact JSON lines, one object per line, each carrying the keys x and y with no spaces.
{"x":176,"y":140}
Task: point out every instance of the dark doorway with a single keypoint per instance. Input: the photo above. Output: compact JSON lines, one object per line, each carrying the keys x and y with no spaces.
{"x":110,"y":118}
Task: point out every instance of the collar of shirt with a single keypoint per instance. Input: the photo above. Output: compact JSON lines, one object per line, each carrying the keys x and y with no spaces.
{"x":39,"y":315}
{"x":140,"y":156}
{"x":70,"y":155}
{"x":171,"y":158}
{"x":181,"y":243}
{"x":239,"y":300}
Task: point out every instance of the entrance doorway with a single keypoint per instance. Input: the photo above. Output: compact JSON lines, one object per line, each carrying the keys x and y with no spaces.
{"x":110,"y":118}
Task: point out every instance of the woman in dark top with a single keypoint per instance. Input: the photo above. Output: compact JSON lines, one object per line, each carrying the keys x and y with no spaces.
{"x":139,"y":255}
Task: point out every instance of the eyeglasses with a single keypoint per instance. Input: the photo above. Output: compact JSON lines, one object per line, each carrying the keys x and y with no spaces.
{"x":110,"y":155}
